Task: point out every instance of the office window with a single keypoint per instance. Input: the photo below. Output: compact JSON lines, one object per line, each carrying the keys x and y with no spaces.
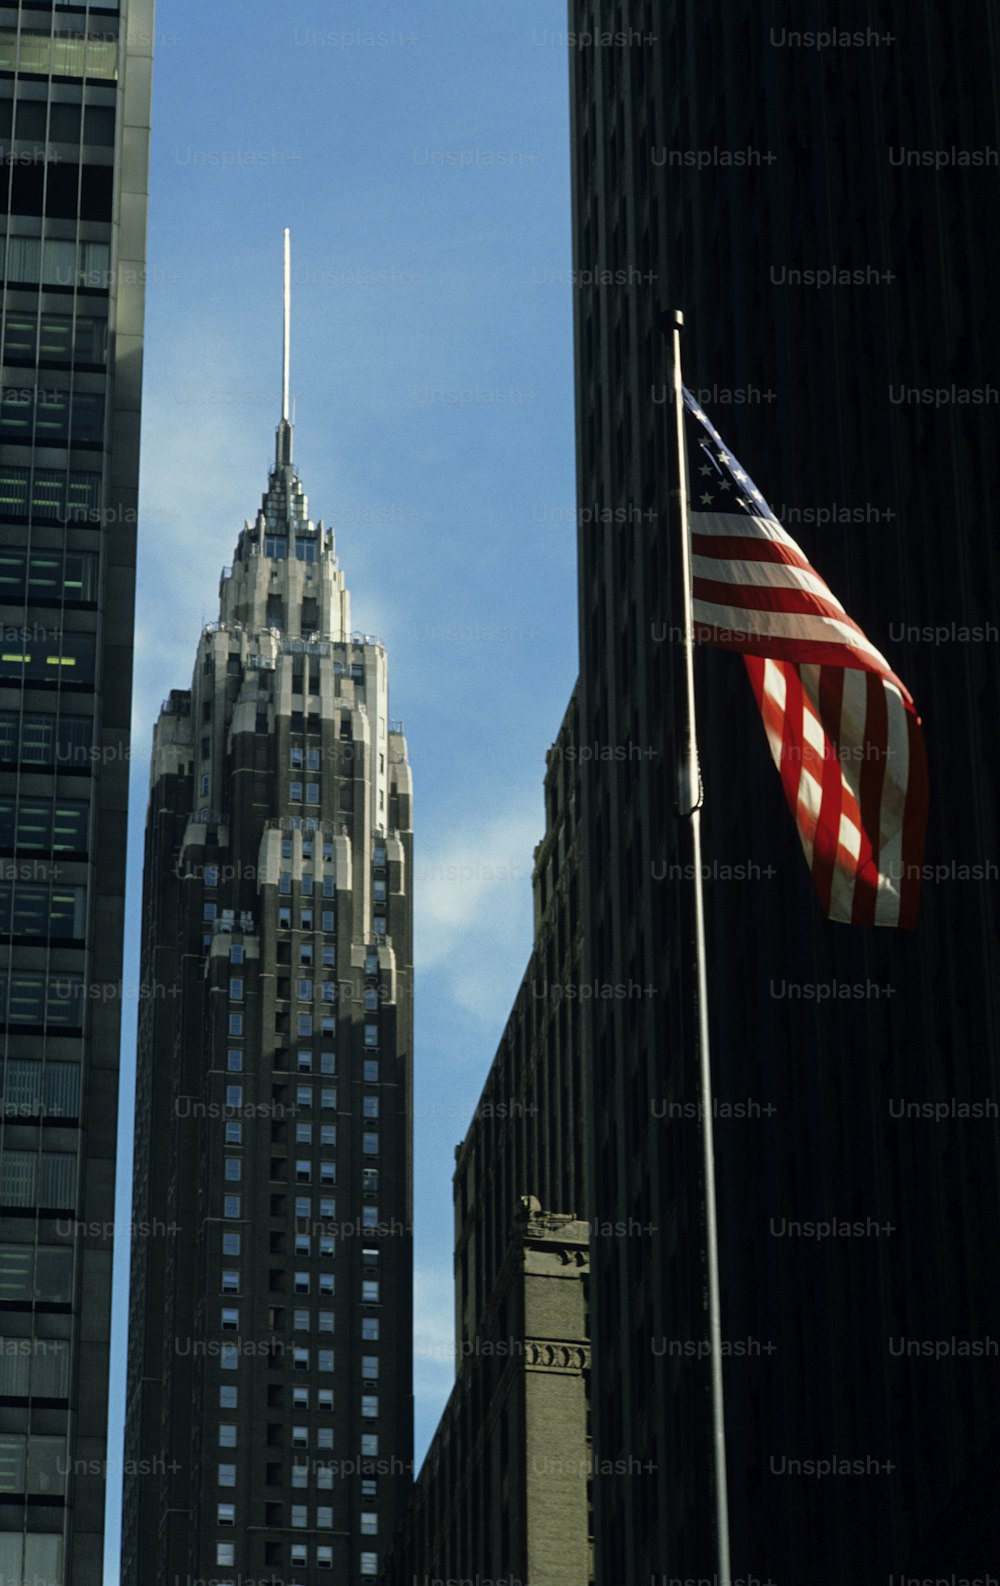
{"x":369,"y":1486}
{"x":303,"y":1134}
{"x":369,"y":1523}
{"x":228,"y":1398}
{"x":301,"y":1283}
{"x":302,"y":1322}
{"x":328,"y":1170}
{"x":296,"y":758}
{"x":326,"y":1283}
{"x":300,"y":1555}
{"x":369,"y":1107}
{"x":236,"y":1024}
{"x":300,"y":1476}
{"x":312,"y":792}
{"x":369,"y":1180}
{"x":300,"y":1437}
{"x":304,"y":1059}
{"x":324,"y":1359}
{"x":230,"y":1283}
{"x":328,"y":921}
{"x":235,"y":989}
{"x":234,"y":1060}
{"x":225,"y":1514}
{"x":329,"y":956}
{"x":324,"y":1517}
{"x":225,"y":1553}
{"x":234,"y":1134}
{"x":236,"y":953}
{"x":300,"y":1359}
{"x":369,"y":1216}
{"x":228,"y":1357}
{"x":303,"y":1170}
{"x":306,"y":920}
{"x":370,"y":1291}
{"x":285,"y":884}
{"x":234,"y":1169}
{"x":327,"y":1206}
{"x":303,"y":1207}
{"x":295,"y":792}
{"x":327,"y":1245}
{"x":227,"y":1476}
{"x":328,"y":1062}
{"x":300,"y":1400}
{"x":328,"y":1099}
{"x":300,"y":1516}
{"x":324,"y":1437}
{"x":303,"y":1096}
{"x":231,"y":1205}
{"x":234,"y":1095}
{"x":369,"y":1142}
{"x":305,"y":1024}
{"x":303,"y":1245}
{"x":324,"y":1398}
{"x":230,"y":1318}
{"x":371,"y":1035}
{"x":371,"y":999}
{"x":227,"y":1436}
{"x":369,"y":1328}
{"x":369,"y":1366}
{"x":369,"y":1406}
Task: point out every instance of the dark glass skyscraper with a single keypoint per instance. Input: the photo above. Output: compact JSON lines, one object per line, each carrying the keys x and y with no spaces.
{"x":269,"y":1422}
{"x":822,"y":205}
{"x":74,"y":133}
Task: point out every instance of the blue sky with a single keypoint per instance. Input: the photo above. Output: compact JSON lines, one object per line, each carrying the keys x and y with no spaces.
{"x":425,"y":177}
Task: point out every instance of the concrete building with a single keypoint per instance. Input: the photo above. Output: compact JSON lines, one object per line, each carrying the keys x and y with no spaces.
{"x":270,"y":1375}
{"x":822,"y":210}
{"x":504,"y":1491}
{"x":74,"y":132}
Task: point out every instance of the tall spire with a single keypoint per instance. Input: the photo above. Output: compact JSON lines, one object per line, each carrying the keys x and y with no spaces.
{"x":284,"y":446}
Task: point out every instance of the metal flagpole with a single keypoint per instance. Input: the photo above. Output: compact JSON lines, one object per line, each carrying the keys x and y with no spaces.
{"x":690,"y":805}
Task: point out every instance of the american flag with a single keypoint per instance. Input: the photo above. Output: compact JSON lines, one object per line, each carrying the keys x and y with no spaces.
{"x":842,"y":728}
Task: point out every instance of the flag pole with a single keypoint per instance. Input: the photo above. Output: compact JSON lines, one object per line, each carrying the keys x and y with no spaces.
{"x":690,"y":806}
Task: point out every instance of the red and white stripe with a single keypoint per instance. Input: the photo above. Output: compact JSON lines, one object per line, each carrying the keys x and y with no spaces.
{"x":843,"y":729}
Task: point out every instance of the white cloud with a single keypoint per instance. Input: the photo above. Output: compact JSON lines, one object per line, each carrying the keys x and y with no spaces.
{"x":472,"y":901}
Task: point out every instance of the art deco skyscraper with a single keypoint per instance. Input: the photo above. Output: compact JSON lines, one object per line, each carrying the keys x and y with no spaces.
{"x":269,"y":1422}
{"x":74,"y":134}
